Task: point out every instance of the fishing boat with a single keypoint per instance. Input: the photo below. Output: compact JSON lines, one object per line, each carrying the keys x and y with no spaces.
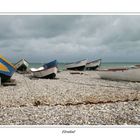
{"x":122,"y":74}
{"x":48,"y":70}
{"x":7,"y":69}
{"x":79,"y":65}
{"x":93,"y":65}
{"x":22,"y":65}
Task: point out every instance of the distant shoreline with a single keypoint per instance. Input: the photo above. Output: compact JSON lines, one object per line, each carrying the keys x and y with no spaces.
{"x":61,"y":65}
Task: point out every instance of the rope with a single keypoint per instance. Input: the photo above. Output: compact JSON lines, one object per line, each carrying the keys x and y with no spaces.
{"x":93,"y":85}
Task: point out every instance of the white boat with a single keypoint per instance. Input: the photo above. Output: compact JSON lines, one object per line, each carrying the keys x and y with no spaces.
{"x":92,"y":65}
{"x":122,"y":74}
{"x":22,"y":65}
{"x":44,"y":72}
{"x":79,"y":65}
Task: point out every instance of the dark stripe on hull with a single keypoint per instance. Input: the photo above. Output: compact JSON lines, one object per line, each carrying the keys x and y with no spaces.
{"x":22,"y":68}
{"x":4,"y":78}
{"x":81,"y":68}
{"x":92,"y":68}
{"x":50,"y":76}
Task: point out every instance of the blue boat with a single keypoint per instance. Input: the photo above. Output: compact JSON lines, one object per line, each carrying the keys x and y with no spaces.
{"x":48,"y":70}
{"x":50,"y":64}
{"x":7,"y":69}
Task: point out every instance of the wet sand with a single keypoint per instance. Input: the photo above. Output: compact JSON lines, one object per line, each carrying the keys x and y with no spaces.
{"x":70,"y":99}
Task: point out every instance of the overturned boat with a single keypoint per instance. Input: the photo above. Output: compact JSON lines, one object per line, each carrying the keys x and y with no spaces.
{"x":79,"y":65}
{"x":121,"y":74}
{"x":7,"y":69}
{"x":49,"y":70}
{"x":22,"y":65}
{"x":93,"y":65}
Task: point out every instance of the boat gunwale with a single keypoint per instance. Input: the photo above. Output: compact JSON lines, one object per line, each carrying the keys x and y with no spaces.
{"x":76,"y":62}
{"x":94,"y":61}
{"x":43,"y":69}
{"x":114,"y":69}
{"x":21,"y":60}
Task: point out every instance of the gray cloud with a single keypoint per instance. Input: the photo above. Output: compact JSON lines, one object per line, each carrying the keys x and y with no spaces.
{"x":68,"y":38}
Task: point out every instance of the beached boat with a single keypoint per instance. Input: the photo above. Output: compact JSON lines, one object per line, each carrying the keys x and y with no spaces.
{"x":44,"y":73}
{"x":48,"y":70}
{"x":124,"y":74}
{"x":79,"y":65}
{"x":22,"y":65}
{"x":7,"y":69}
{"x":93,"y":65}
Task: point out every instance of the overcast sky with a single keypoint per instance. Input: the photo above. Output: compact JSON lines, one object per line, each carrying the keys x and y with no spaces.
{"x":70,"y":38}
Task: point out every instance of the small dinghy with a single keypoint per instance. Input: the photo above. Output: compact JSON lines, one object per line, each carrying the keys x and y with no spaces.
{"x":93,"y":65}
{"x":48,"y":70}
{"x":7,"y":69}
{"x":79,"y":65}
{"x":122,"y":74}
{"x":22,"y":65}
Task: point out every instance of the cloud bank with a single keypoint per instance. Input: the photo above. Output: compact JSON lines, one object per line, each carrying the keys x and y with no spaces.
{"x":70,"y":37}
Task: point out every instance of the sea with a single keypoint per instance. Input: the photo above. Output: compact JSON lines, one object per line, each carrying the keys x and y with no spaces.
{"x":104,"y":65}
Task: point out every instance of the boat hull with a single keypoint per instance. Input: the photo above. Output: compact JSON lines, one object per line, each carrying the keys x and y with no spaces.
{"x":7,"y":69}
{"x":4,"y":78}
{"x":45,"y":73}
{"x":50,"y":76}
{"x":80,"y":65}
{"x":80,"y":68}
{"x":93,"y":65}
{"x":22,"y":65}
{"x":92,"y":68}
{"x":132,"y":74}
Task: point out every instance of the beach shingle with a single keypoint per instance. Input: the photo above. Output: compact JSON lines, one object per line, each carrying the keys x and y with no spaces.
{"x":70,"y":99}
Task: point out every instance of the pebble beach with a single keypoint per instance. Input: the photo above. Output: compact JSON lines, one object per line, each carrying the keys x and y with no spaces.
{"x":69,"y":99}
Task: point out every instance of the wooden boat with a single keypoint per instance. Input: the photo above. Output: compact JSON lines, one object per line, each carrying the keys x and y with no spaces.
{"x":7,"y":69}
{"x":93,"y":65}
{"x":48,"y":70}
{"x":22,"y":65}
{"x":124,"y":74}
{"x":79,"y":65}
